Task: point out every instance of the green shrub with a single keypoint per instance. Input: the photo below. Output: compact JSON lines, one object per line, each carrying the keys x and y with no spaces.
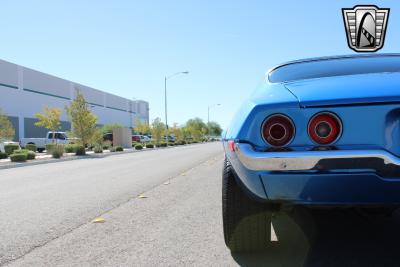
{"x":18,"y":157}
{"x":139,"y":147}
{"x":119,"y":149}
{"x":3,"y":155}
{"x":149,"y":145}
{"x":162,"y":144}
{"x":49,"y":148}
{"x":171,"y":144}
{"x":9,"y":149}
{"x":70,"y":148}
{"x":21,"y":151}
{"x":30,"y":155}
{"x":107,"y":144}
{"x":113,"y":149}
{"x":80,"y":150}
{"x":98,"y":149}
{"x":57,"y":151}
{"x":31,"y":147}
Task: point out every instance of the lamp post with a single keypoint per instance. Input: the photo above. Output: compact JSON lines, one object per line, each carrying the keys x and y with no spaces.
{"x":208,"y":111}
{"x":165,"y":92}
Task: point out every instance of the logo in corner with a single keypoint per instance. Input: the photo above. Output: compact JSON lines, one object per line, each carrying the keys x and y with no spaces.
{"x":365,"y":27}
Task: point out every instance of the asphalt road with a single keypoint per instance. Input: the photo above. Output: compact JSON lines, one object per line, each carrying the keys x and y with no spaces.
{"x":41,"y":203}
{"x":177,"y":221}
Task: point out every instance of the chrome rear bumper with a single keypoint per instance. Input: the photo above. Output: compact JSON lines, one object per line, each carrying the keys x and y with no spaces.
{"x":379,"y":160}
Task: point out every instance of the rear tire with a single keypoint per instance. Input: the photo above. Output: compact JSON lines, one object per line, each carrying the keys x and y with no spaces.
{"x":246,"y":223}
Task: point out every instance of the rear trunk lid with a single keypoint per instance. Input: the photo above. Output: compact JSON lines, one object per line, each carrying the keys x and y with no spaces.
{"x":376,"y":88}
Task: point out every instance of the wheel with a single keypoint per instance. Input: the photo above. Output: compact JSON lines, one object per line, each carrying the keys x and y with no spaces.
{"x":40,"y":150}
{"x":246,"y":223}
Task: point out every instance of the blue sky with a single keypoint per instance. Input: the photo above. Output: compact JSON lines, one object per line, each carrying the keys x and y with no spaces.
{"x":127,"y":47}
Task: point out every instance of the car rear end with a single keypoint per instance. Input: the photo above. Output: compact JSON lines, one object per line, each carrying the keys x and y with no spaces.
{"x":320,"y":132}
{"x":339,"y":145}
{"x":135,"y":138}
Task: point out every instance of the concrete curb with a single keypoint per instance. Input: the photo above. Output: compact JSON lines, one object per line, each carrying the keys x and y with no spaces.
{"x":11,"y":165}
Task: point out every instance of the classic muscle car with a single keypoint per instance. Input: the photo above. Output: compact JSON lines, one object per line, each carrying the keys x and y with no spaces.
{"x":321,"y":132}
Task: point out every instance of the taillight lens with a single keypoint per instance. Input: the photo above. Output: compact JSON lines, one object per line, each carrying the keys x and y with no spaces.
{"x":278,"y":130}
{"x":324,"y":128}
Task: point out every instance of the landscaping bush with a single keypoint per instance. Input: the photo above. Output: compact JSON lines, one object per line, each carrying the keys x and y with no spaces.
{"x":3,"y":155}
{"x":31,"y":147}
{"x":139,"y":147}
{"x":107,"y":144}
{"x":98,"y":149}
{"x":162,"y":144}
{"x":57,"y":151}
{"x":21,"y":151}
{"x":30,"y":155}
{"x":18,"y":157}
{"x":113,"y":149}
{"x":9,"y":149}
{"x":119,"y":149}
{"x":70,"y":148}
{"x":80,"y":150}
{"x":49,"y":148}
{"x":149,"y":145}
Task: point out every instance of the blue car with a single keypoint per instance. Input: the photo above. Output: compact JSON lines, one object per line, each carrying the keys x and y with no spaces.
{"x":322,"y":132}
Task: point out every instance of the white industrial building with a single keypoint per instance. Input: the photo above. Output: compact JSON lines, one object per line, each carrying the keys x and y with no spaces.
{"x":25,"y":92}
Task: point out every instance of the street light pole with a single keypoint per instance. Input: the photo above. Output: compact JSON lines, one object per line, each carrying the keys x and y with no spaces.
{"x":165,"y":97}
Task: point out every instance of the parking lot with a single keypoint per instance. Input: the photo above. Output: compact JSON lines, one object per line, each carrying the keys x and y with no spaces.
{"x":163,"y":208}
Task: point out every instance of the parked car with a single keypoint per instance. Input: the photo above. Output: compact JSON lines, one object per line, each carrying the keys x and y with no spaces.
{"x":60,"y":137}
{"x":321,"y":133}
{"x":140,"y":138}
{"x":145,"y":139}
{"x":170,"y":138}
{"x":136,"y":138}
{"x":108,"y":137}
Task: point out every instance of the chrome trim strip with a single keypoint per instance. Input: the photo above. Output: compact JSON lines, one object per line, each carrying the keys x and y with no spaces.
{"x":303,"y":160}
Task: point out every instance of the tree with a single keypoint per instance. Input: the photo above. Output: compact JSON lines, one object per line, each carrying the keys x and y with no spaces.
{"x":141,"y":127}
{"x":108,"y":128}
{"x":197,"y":128}
{"x":7,"y":131}
{"x":50,"y":119}
{"x":177,"y":132}
{"x":83,"y":121}
{"x":214,"y":129}
{"x":97,"y":138}
{"x":157,"y":130}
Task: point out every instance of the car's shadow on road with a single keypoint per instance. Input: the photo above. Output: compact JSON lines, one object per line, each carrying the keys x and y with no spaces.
{"x":330,"y":238}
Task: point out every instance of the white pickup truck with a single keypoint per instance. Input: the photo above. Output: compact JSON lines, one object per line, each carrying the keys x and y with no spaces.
{"x":60,"y":138}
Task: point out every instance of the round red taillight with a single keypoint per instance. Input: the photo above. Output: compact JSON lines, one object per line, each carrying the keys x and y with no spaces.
{"x":278,"y":130}
{"x":324,"y":128}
